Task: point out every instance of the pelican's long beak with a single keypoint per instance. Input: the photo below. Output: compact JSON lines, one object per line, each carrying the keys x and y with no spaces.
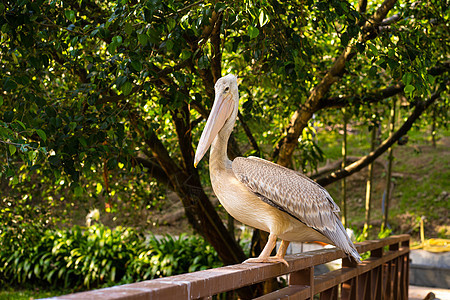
{"x":220,"y":112}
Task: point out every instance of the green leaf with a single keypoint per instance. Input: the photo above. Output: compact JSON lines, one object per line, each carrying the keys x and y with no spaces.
{"x":153,"y":35}
{"x":41,"y":134}
{"x":143,"y":39}
{"x":1,"y":100}
{"x":169,"y":45}
{"x":220,"y":7}
{"x":12,"y":149}
{"x":72,"y":125}
{"x":117,"y":39}
{"x":126,"y":88}
{"x":21,"y":124}
{"x":113,"y":273}
{"x":409,"y":88}
{"x":203,"y":62}
{"x":391,"y":53}
{"x":70,"y":15}
{"x":345,"y":39}
{"x":128,"y":28}
{"x":185,"y":54}
{"x":252,"y":31}
{"x":112,"y":48}
{"x":263,"y":18}
{"x":171,"y":24}
{"x":32,"y":155}
{"x":373,"y":49}
{"x":407,"y":78}
{"x":82,"y":141}
{"x":137,"y":65}
{"x":115,"y":42}
{"x":9,"y":84}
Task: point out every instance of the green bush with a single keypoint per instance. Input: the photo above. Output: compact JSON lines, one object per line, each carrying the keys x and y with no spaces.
{"x":168,"y":256}
{"x":96,"y":256}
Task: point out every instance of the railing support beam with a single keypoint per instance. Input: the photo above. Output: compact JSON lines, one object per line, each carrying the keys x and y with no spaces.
{"x":382,"y":276}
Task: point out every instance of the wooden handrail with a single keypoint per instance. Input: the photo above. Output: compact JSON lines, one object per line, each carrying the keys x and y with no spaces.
{"x":382,"y":276}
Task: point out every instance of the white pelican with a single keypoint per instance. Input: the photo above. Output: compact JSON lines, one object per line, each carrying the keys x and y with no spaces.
{"x":264,"y":195}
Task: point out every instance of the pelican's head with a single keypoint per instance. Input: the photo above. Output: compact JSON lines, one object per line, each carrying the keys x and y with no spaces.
{"x":225,"y":102}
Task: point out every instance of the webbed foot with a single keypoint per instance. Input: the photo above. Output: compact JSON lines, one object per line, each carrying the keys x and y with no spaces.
{"x":270,"y":259}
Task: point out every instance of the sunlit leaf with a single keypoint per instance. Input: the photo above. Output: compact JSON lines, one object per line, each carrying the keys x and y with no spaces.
{"x":252,"y":31}
{"x":409,"y":88}
{"x":12,"y":149}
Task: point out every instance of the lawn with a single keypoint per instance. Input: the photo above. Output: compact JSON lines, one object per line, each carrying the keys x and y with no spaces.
{"x":11,"y":294}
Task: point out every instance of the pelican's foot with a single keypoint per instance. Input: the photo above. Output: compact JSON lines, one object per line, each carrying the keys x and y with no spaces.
{"x":271,"y":259}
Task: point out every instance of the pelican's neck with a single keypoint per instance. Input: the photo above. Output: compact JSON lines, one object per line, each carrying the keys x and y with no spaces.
{"x":218,"y":157}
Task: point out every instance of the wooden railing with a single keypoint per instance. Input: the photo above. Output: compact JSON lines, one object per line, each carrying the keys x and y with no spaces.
{"x":384,"y":275}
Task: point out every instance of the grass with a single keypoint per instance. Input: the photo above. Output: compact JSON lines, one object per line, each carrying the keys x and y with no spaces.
{"x":11,"y":294}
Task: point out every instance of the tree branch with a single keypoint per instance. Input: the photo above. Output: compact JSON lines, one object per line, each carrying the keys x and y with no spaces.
{"x":216,"y":60}
{"x":362,"y":4}
{"x":157,"y":149}
{"x":182,"y":127}
{"x":366,"y":160}
{"x":154,"y":170}
{"x":249,"y":134}
{"x":285,"y":148}
{"x":209,"y":75}
{"x":391,"y":20}
{"x":339,"y":102}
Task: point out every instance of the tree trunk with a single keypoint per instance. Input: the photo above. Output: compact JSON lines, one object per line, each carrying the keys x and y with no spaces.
{"x":389,"y":171}
{"x":230,"y":224}
{"x":369,"y":185}
{"x":343,"y":181}
{"x":433,"y":127}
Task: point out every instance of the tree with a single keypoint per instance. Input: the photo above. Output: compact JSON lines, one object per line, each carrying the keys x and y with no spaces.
{"x":94,"y":92}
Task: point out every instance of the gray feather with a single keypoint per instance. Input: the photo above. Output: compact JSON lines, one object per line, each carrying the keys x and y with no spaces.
{"x":297,"y":195}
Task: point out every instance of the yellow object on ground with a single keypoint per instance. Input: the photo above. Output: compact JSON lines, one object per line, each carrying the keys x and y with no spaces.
{"x":434,"y":245}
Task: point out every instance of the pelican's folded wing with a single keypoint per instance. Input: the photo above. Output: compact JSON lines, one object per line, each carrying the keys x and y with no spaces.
{"x":295,"y":194}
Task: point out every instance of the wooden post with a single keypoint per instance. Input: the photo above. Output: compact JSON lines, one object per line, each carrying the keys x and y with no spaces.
{"x":350,"y":287}
{"x":330,"y":294}
{"x":304,"y":277}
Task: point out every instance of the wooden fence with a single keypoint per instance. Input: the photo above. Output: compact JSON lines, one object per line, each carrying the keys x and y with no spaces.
{"x":384,"y":275}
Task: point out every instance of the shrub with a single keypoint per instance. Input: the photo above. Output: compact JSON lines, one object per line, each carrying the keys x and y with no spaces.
{"x":96,"y":256}
{"x":168,"y":256}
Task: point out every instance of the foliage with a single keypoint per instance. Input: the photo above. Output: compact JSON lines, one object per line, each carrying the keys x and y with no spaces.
{"x":168,"y":256}
{"x":104,"y":101}
{"x":95,"y":256}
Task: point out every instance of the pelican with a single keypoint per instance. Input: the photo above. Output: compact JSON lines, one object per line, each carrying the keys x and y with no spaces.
{"x":262,"y":194}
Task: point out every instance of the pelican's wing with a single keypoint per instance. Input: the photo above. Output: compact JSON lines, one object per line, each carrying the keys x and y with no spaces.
{"x":295,"y":194}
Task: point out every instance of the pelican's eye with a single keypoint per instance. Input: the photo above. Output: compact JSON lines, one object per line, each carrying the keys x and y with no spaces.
{"x":226,"y":90}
